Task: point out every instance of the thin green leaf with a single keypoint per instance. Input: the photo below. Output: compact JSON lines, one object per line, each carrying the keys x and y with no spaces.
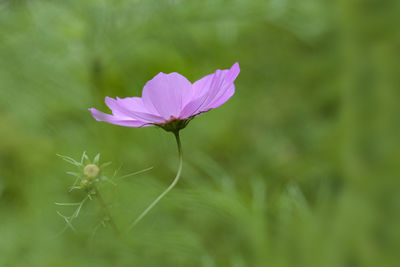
{"x":75,"y":174}
{"x":135,"y":173}
{"x":84,"y":156}
{"x":69,"y":160}
{"x":96,"y":159}
{"x":67,"y":204}
{"x":105,"y":164}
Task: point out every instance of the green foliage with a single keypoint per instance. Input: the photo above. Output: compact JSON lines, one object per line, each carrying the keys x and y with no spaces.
{"x":299,"y":168}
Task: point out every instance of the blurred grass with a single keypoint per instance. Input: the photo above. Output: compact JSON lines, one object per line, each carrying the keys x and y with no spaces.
{"x":299,"y":168}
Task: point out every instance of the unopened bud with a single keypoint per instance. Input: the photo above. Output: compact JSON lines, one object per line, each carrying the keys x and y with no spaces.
{"x":91,"y":171}
{"x":84,"y":183}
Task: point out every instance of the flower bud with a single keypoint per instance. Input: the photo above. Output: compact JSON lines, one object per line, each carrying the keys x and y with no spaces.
{"x":91,"y":171}
{"x":84,"y":183}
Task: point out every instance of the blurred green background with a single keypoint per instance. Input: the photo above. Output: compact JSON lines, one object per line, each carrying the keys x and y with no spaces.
{"x":300,"y":168}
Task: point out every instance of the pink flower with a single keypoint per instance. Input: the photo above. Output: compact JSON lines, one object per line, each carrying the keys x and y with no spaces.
{"x":170,"y":101}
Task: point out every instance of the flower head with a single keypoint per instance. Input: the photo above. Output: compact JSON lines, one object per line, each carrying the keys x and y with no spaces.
{"x":91,"y":171}
{"x":170,"y":101}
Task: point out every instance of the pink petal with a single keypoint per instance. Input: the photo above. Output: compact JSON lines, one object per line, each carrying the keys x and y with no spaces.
{"x":100,"y":116}
{"x":212,"y":91}
{"x":222,"y":89}
{"x":138,"y":110}
{"x":133,"y":103}
{"x":218,"y":101}
{"x":129,"y":108}
{"x":167,"y":94}
{"x":201,"y":92}
{"x":192,"y":107}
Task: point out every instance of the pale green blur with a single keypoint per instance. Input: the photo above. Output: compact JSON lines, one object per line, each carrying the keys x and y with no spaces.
{"x":300,"y":168}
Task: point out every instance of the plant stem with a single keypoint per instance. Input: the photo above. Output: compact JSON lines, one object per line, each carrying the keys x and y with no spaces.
{"x":105,"y":210}
{"x":174,"y":182}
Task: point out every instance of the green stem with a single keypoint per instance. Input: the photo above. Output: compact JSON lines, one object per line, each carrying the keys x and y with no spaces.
{"x":174,"y":182}
{"x":105,"y":210}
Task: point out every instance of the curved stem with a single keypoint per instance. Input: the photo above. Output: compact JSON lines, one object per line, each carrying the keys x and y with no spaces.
{"x":105,"y":210}
{"x":174,"y":182}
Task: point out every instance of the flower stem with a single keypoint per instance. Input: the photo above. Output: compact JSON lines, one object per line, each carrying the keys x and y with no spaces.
{"x":174,"y":182}
{"x":105,"y":210}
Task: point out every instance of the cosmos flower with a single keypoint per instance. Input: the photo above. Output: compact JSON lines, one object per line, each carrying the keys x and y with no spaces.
{"x":170,"y":101}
